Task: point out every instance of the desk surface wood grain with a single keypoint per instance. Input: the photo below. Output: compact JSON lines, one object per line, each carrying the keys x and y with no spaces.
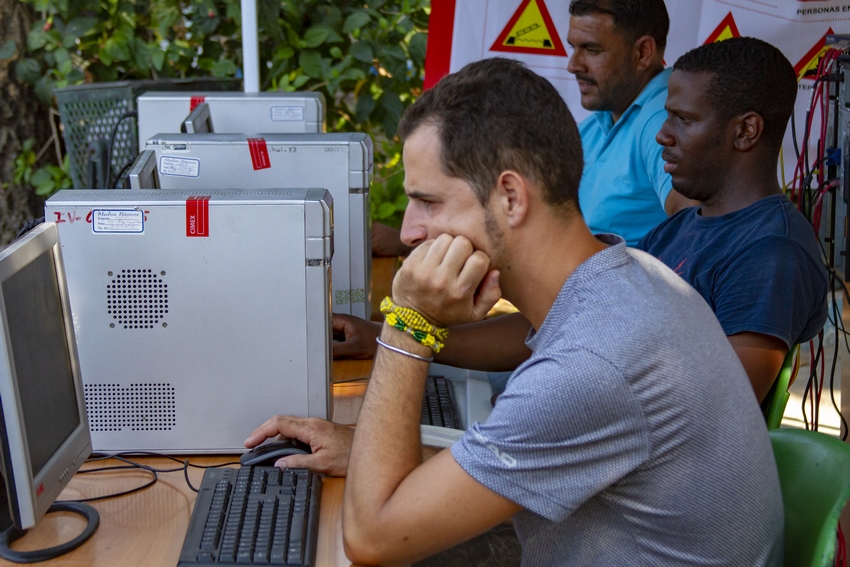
{"x":147,"y":528}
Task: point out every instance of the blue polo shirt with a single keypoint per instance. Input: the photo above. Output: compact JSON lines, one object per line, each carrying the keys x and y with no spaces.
{"x":623,"y":188}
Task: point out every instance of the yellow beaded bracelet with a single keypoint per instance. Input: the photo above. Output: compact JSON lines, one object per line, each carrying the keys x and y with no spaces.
{"x":411,"y":321}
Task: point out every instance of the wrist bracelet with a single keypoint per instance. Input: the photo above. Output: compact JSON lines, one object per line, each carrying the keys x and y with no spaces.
{"x":402,"y":351}
{"x":412,"y":322}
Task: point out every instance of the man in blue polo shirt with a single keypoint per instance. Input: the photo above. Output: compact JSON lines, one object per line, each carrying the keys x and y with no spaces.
{"x":617,"y":60}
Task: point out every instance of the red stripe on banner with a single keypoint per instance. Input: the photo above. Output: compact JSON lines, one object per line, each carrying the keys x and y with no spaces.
{"x":259,"y":153}
{"x":197,"y":216}
{"x":195,"y":101}
{"x":438,"y":55}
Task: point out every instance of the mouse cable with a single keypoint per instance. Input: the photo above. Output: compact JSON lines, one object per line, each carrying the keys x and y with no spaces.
{"x":186,"y":476}
{"x":134,"y":465}
{"x":185,"y":464}
{"x":148,"y":484}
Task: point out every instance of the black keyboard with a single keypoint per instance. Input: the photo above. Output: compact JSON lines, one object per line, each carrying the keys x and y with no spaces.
{"x":261,"y":515}
{"x":438,"y":405}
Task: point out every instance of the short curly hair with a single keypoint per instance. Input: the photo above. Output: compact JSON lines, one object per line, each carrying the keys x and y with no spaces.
{"x":494,"y":115}
{"x":748,"y":75}
{"x":635,"y":18}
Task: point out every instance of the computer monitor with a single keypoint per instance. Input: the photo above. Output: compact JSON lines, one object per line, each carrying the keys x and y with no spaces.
{"x":44,"y":431}
{"x":143,"y":173}
{"x":199,"y":121}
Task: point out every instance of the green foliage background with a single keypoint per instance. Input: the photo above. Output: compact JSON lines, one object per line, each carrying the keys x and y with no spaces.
{"x":367,"y":58}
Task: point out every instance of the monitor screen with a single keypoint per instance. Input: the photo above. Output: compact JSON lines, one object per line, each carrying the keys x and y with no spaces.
{"x":45,"y":435}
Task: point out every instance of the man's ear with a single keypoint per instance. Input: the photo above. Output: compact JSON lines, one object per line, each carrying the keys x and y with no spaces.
{"x":646,"y":52}
{"x":513,"y":194}
{"x":749,"y":129}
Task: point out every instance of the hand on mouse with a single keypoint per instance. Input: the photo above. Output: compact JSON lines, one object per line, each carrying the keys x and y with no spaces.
{"x":330,"y":443}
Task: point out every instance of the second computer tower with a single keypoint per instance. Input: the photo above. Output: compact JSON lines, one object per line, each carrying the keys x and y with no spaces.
{"x":339,"y":162}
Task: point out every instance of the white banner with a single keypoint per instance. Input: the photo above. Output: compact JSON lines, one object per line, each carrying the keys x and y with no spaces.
{"x":535,"y":31}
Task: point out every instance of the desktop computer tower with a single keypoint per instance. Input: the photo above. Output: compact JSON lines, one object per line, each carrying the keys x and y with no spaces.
{"x":198,"y":314}
{"x":340,"y":163}
{"x":233,"y":112}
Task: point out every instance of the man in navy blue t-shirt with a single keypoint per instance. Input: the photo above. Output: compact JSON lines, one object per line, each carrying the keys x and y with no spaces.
{"x":746,"y":249}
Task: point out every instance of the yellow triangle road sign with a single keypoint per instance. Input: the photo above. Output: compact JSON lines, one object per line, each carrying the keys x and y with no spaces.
{"x":726,"y":29}
{"x":808,"y":65}
{"x":530,"y":30}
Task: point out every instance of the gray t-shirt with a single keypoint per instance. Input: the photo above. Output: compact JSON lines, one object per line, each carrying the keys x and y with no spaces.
{"x":632,"y":435}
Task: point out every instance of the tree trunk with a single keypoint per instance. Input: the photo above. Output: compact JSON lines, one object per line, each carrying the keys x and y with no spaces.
{"x":22,"y":116}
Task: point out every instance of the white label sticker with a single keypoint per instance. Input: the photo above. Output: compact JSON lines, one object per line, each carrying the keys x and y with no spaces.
{"x":120,"y":220}
{"x":287,"y":113}
{"x":179,"y":166}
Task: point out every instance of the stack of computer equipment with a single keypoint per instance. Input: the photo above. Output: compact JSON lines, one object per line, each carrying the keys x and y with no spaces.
{"x":264,"y":142}
{"x":202,"y":310}
{"x":230,"y":112}
{"x":340,"y":163}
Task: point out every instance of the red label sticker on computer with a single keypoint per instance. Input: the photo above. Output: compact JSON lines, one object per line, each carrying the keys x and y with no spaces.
{"x":259,"y":153}
{"x":195,"y":101}
{"x":197,"y":216}
{"x":40,"y":490}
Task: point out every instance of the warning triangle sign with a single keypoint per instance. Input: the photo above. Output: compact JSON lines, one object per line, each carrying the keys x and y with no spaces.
{"x":809,"y":63}
{"x":727,"y":28}
{"x":530,"y":30}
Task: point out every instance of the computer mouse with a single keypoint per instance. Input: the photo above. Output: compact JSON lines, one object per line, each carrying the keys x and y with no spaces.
{"x":267,"y":454}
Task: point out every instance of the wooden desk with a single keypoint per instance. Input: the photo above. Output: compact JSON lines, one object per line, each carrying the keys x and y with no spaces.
{"x":383,"y":272}
{"x":147,"y":528}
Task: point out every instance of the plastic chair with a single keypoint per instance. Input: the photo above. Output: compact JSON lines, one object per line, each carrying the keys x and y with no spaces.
{"x":814,"y":474}
{"x":774,"y":403}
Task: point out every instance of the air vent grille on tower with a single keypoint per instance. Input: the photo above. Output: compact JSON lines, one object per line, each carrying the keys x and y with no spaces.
{"x":137,"y":407}
{"x":136,"y":299}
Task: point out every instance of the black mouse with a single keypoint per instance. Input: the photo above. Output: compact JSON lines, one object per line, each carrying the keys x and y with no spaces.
{"x":267,"y":454}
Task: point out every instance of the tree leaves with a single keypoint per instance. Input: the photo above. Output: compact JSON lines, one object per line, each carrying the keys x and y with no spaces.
{"x":28,"y":70}
{"x":362,"y":51}
{"x":310,"y":62}
{"x":314,"y":37}
{"x":355,"y":21}
{"x":9,"y":50}
{"x":366,"y":58}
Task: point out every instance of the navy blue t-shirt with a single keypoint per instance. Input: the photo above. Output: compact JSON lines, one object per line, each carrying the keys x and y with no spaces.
{"x":759,"y":268}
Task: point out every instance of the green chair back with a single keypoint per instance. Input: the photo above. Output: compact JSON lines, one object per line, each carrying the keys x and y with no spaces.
{"x":814,"y":473}
{"x":774,"y":403}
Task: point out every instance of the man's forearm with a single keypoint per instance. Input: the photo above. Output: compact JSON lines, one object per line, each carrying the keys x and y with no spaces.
{"x":386,"y":445}
{"x":492,"y":345}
